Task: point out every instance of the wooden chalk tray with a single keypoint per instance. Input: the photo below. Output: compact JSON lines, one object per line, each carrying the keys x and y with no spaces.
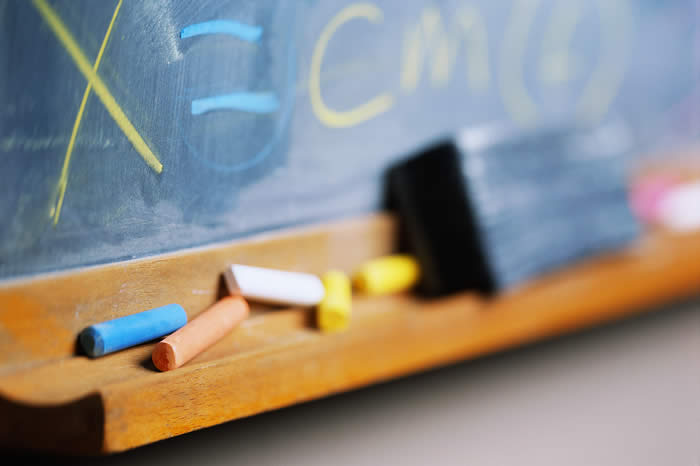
{"x":53,"y":399}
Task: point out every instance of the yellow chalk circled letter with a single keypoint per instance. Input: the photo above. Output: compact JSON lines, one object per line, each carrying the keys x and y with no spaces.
{"x":363,"y":112}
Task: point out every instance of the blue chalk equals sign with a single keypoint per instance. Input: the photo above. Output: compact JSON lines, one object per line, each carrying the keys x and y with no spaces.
{"x":253,"y":102}
{"x":223,"y":26}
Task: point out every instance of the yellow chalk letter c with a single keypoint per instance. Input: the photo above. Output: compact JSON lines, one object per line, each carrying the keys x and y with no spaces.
{"x":363,"y":112}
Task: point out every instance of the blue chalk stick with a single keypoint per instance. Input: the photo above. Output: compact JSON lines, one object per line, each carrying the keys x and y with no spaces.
{"x":117,"y":334}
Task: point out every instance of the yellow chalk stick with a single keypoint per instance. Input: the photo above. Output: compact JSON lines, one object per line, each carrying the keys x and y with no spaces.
{"x":333,"y":313}
{"x":386,"y":275}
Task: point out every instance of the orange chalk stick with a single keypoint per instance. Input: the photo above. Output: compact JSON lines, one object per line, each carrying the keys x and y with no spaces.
{"x":200,"y":333}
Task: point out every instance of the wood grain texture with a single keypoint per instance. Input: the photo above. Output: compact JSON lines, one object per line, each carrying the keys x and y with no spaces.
{"x":276,"y":357}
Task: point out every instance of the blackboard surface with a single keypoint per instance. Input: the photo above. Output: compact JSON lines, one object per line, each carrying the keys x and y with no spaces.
{"x":211,"y":120}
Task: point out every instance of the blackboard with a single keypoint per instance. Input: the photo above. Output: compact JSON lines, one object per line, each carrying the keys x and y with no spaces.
{"x":207,"y":120}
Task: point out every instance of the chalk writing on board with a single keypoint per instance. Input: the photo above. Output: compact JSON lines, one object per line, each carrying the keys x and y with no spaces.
{"x":255,"y":102}
{"x":609,"y":72}
{"x":250,"y":144}
{"x":56,"y":205}
{"x":433,"y":43}
{"x":556,"y":65}
{"x":233,"y":28}
{"x":363,"y":112}
{"x":430,"y":39}
{"x":90,"y":72}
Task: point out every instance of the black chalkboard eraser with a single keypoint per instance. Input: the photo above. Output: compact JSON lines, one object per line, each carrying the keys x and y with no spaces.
{"x":489,"y":212}
{"x":428,"y":191}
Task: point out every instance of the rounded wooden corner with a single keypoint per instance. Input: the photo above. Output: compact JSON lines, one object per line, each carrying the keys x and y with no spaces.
{"x":76,"y":427}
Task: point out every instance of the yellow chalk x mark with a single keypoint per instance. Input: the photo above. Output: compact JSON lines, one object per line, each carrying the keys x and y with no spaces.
{"x":90,"y":73}
{"x":63,"y":180}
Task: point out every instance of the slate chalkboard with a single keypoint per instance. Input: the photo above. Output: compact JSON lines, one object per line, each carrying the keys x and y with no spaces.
{"x":130,"y":128}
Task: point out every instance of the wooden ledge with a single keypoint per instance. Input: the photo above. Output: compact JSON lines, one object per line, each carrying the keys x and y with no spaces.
{"x":277,"y":358}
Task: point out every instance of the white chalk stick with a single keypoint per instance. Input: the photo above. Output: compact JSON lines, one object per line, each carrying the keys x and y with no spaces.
{"x":274,"y":286}
{"x":679,"y":210}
